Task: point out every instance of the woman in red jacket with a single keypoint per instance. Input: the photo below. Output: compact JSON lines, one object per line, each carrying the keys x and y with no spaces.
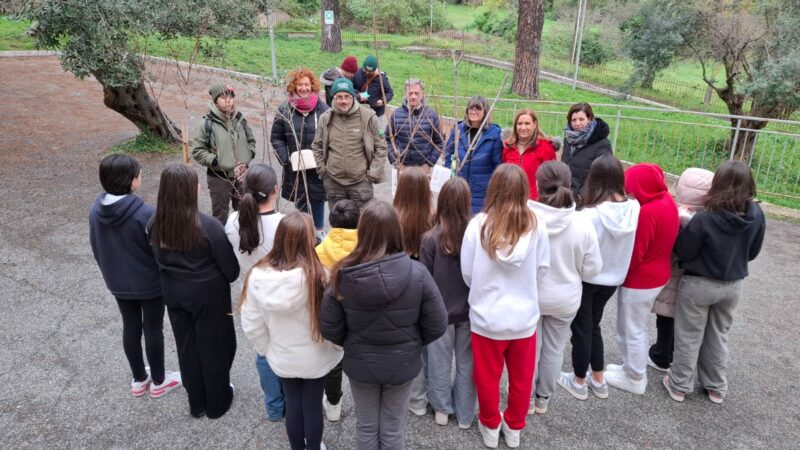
{"x":527,"y":147}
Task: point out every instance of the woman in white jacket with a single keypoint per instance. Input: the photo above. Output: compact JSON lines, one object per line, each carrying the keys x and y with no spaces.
{"x":614,"y":217}
{"x":503,"y":255}
{"x":574,"y":256}
{"x":280,"y":308}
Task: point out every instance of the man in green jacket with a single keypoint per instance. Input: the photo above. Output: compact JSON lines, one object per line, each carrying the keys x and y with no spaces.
{"x":225,"y":145}
{"x":349,"y":148}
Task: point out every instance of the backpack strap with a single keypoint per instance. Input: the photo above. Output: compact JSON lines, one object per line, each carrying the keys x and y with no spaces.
{"x":209,"y":131}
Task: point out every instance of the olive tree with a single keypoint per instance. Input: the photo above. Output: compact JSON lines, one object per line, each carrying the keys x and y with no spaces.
{"x":102,"y":38}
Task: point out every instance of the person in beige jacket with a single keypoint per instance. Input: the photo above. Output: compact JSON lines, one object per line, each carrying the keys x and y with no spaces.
{"x":349,"y":148}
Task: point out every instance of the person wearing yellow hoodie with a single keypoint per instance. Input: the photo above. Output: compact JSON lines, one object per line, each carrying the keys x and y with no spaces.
{"x":338,"y":243}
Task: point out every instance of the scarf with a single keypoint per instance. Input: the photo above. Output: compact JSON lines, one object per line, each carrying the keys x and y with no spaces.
{"x":578,"y":139}
{"x":304,"y":104}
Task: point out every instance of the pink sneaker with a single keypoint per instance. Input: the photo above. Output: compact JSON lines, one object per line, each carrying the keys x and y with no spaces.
{"x":172,"y":381}
{"x":138,"y":388}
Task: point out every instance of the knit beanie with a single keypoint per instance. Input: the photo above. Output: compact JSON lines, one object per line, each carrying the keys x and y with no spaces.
{"x":342,"y":85}
{"x":350,"y":64}
{"x":221,"y":89}
{"x":371,"y":63}
{"x":693,"y":185}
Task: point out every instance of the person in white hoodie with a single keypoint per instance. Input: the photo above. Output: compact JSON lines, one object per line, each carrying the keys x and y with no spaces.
{"x":280,"y":307}
{"x":575,"y":255}
{"x":504,"y":254}
{"x":614,"y":217}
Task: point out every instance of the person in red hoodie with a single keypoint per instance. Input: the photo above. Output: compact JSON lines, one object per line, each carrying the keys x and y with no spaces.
{"x":649,"y":271}
{"x":528,"y":148}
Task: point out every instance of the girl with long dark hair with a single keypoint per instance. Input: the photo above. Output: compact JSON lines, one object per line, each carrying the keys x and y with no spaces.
{"x":440,"y":252}
{"x":614,"y":218}
{"x":197,"y":266}
{"x":382,"y":306}
{"x":714,"y":250}
{"x":280,"y":307}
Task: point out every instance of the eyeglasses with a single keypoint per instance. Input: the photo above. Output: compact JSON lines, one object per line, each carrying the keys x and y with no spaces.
{"x":341,"y":98}
{"x":475,"y":108}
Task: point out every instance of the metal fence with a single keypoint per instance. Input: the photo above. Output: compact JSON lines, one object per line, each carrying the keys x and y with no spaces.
{"x":675,"y":140}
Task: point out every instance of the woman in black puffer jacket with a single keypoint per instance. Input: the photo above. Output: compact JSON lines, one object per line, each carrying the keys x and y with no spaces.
{"x":294,"y":128}
{"x":382,"y":307}
{"x":585,"y":138}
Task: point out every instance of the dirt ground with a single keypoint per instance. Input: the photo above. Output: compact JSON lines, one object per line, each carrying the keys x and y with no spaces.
{"x":63,"y":375}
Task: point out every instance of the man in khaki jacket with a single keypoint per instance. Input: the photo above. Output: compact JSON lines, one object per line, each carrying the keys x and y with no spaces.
{"x":349,"y":148}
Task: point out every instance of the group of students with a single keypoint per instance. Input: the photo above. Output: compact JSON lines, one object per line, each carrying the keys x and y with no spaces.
{"x":396,"y":293}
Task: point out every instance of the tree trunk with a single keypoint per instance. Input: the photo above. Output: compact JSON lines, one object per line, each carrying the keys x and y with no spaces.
{"x":331,"y":35}
{"x":742,"y":145}
{"x":648,"y":77}
{"x":137,"y":106}
{"x":529,"y":48}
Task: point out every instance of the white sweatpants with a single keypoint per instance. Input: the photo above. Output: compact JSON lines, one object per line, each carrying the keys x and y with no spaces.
{"x":633,"y":309}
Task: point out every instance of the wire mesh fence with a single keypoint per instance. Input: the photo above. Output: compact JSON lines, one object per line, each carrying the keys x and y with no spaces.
{"x":675,"y":140}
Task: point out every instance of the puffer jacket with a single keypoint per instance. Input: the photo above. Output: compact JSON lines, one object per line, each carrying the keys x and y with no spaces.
{"x":390,"y":309}
{"x":219,"y":158}
{"x":486,"y":156}
{"x":284,"y":138}
{"x":414,"y":137}
{"x":339,"y":243}
{"x":373,"y":87}
{"x":581,"y":160}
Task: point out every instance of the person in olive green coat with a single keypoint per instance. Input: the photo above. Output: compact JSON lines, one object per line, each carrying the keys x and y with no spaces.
{"x":225,"y":145}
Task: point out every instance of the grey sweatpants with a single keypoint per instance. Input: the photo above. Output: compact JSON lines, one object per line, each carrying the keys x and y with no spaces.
{"x":457,"y":397}
{"x":553,"y":334}
{"x":381,"y":415}
{"x":419,"y":387}
{"x":703,"y":317}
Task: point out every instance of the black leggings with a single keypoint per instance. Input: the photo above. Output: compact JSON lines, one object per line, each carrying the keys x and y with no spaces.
{"x":661,"y":351}
{"x":304,"y":423}
{"x":143,"y":317}
{"x":333,"y":385}
{"x":587,"y":338}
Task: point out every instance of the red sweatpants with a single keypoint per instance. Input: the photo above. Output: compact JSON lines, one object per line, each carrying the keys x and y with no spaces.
{"x":519,"y":357}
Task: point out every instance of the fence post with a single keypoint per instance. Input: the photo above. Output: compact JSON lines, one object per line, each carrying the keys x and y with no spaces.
{"x":735,"y":137}
{"x":616,"y":130}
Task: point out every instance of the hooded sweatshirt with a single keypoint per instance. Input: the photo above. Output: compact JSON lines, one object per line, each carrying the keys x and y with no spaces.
{"x":503,"y":296}
{"x":574,"y":255}
{"x":339,"y":243}
{"x":656,"y":230}
{"x":615,"y":225}
{"x":121,"y":249}
{"x":388,"y":310}
{"x":719,"y":245}
{"x":276,"y":319}
{"x":269,"y":224}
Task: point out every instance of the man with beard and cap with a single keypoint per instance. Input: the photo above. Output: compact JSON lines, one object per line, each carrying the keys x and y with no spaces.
{"x":349,"y":148}
{"x":225,"y":145}
{"x":413,"y":136}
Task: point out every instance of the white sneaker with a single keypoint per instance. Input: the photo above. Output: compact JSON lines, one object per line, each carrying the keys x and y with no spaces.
{"x":418,"y":411}
{"x":510,"y":436}
{"x":491,"y":437}
{"x":172,"y":381}
{"x":614,"y":368}
{"x":442,"y":418}
{"x":139,"y":388}
{"x":332,"y":412}
{"x":621,"y":380}
{"x":538,"y":405}
{"x":465,"y":426}
{"x":322,"y":444}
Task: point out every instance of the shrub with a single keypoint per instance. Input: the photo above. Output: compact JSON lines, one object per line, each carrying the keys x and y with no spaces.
{"x":497,"y":23}
{"x":593,"y":51}
{"x":391,"y":16}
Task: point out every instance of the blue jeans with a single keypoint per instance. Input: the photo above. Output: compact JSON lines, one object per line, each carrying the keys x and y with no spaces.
{"x":273,"y":392}
{"x":317,"y":211}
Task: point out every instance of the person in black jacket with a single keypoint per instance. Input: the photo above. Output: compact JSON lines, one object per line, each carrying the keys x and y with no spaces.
{"x":714,"y":250}
{"x":382,"y":307}
{"x":293,"y":130}
{"x":197,"y":266}
{"x":117,"y":224}
{"x":585,"y":138}
{"x":374,"y":88}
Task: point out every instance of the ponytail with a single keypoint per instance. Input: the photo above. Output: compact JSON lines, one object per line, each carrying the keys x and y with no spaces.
{"x":249,"y":220}
{"x":553,"y":183}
